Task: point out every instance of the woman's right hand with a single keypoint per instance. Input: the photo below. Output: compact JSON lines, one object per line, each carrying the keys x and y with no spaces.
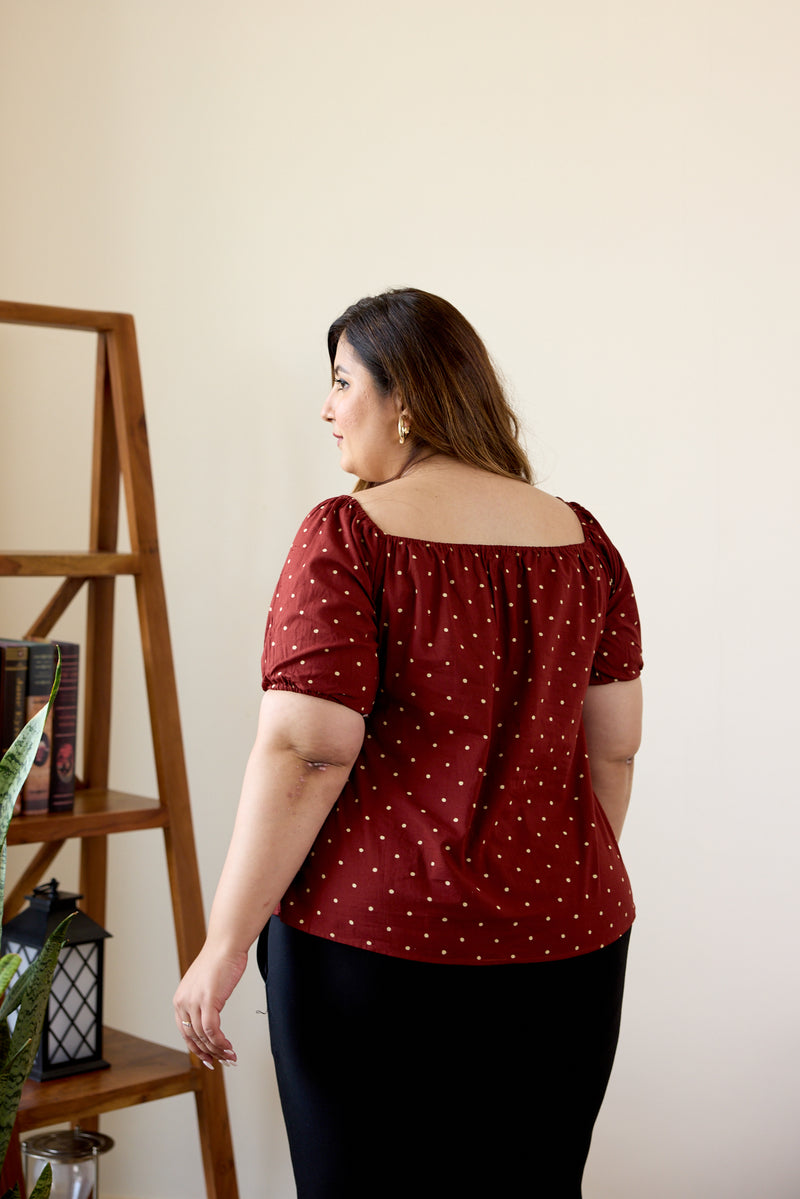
{"x":304,"y":751}
{"x":199,"y":1000}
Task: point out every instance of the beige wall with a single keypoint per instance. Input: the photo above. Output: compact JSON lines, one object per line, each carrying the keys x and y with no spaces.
{"x":609,"y":190}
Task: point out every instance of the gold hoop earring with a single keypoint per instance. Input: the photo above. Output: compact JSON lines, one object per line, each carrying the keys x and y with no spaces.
{"x":402,"y":430}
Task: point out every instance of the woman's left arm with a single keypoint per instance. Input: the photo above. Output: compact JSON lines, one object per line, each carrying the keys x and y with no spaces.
{"x":304,"y":751}
{"x":612,"y":721}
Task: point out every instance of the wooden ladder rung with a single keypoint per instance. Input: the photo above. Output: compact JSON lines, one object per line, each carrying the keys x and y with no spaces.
{"x":71,"y":565}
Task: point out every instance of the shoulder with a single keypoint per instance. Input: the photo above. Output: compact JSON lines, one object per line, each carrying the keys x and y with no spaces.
{"x":592,"y":529}
{"x":337,"y":527}
{"x":333,"y":515}
{"x":606,"y":552}
{"x":584,"y":515}
{"x":325,"y":509}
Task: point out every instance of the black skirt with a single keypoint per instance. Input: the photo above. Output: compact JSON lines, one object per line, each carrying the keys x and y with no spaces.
{"x":401,"y":1078}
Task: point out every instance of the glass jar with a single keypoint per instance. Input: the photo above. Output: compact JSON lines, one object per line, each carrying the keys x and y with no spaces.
{"x":73,"y":1155}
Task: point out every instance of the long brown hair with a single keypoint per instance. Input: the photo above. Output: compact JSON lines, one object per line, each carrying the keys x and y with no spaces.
{"x":421,"y":346}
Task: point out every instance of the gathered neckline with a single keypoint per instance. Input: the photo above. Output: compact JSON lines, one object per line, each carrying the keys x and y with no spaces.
{"x":477,"y":546}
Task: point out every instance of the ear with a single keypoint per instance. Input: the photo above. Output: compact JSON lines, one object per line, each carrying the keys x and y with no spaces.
{"x":399,"y":404}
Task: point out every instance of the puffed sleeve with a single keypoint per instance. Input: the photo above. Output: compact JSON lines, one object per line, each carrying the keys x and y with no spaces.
{"x":618,"y":655}
{"x":321,"y":637}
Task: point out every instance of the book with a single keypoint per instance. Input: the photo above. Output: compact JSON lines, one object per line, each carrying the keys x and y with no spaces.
{"x":13,"y":681}
{"x":65,"y":730}
{"x":41,"y":671}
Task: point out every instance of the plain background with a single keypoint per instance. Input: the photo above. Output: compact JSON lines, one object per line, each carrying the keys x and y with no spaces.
{"x":609,"y":190}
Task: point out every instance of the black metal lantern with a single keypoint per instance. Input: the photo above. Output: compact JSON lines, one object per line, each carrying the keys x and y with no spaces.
{"x":72,"y":1035}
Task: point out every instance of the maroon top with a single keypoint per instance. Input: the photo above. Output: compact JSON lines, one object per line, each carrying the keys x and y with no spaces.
{"x":468,"y":830}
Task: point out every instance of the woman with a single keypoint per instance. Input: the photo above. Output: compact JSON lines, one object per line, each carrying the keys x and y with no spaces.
{"x":441,"y":771}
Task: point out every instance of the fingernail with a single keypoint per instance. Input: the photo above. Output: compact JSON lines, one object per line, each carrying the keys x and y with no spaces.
{"x":208,"y":1065}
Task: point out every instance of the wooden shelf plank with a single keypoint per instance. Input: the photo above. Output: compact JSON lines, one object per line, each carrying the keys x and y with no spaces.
{"x":96,"y":813}
{"x":139,"y":1071}
{"x":68,"y":564}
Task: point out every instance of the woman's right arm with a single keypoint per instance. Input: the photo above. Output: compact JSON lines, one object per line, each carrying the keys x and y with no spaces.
{"x":304,"y":750}
{"x":612,"y":721}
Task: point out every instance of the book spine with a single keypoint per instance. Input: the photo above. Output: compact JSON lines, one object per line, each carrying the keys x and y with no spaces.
{"x":65,"y":731}
{"x":41,"y":670}
{"x":13,"y":687}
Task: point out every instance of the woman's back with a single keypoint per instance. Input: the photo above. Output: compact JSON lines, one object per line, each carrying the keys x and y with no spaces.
{"x":443,"y":500}
{"x":463,"y":616}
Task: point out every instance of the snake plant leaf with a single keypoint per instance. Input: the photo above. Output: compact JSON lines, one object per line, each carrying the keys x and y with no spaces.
{"x":13,"y":1055}
{"x":43,"y":1183}
{"x":31,"y":992}
{"x":14,"y":768}
{"x":13,"y":1193}
{"x":9,"y":965}
{"x":18,"y":759}
{"x":13,"y":997}
{"x":28,"y":1031}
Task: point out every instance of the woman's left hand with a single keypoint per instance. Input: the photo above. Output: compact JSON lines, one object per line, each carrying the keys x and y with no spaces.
{"x":199,"y":1000}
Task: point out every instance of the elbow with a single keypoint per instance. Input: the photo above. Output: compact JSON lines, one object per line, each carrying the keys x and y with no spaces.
{"x":319,"y":766}
{"x":618,"y":750}
{"x":621,"y":763}
{"x":327,"y":751}
{"x":624,"y":740}
{"x":314,"y":776}
{"x":323,"y":736}
{"x":629,"y":748}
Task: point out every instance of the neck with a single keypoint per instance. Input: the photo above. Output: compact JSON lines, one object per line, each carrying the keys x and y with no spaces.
{"x":419,"y":458}
{"x":416,"y":459}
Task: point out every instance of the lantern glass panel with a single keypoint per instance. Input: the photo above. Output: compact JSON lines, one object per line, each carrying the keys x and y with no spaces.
{"x":26,"y":952}
{"x":73,"y":1005}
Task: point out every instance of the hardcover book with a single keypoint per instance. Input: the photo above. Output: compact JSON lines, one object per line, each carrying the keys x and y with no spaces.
{"x":13,"y":680}
{"x":41,"y":671}
{"x":65,"y":729}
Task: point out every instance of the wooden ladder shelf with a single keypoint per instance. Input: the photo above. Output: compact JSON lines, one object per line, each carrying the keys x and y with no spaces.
{"x":139,"y":1071}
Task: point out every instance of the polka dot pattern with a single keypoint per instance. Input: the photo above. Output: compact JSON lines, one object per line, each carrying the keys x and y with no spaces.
{"x":468,"y":830}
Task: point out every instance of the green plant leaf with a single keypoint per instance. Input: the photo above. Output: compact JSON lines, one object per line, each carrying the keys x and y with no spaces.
{"x":13,"y":997}
{"x":28,"y":1031}
{"x":14,"y":768}
{"x":43,"y":1183}
{"x":13,"y":1193}
{"x":15,"y":1053}
{"x":9,"y":965}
